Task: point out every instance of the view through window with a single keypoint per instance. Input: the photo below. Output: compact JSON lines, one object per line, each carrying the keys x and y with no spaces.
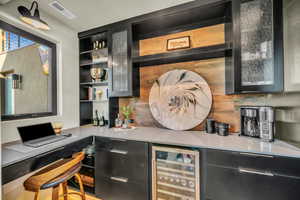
{"x":27,"y":75}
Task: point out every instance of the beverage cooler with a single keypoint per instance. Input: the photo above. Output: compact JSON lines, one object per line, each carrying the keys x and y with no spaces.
{"x":175,"y":174}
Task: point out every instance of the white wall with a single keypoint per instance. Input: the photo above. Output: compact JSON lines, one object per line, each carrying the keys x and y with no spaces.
{"x":68,"y":77}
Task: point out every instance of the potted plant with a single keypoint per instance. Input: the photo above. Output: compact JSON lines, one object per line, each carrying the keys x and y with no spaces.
{"x":126,"y":111}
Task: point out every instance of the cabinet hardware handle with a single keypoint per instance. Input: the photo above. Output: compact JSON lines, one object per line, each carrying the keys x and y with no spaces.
{"x":116,"y":139}
{"x":48,"y":152}
{"x":253,"y":171}
{"x":118,"y":151}
{"x":119,"y":179}
{"x":256,"y":155}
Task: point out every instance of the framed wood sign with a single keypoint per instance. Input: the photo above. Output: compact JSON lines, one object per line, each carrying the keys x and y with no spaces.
{"x":178,"y":43}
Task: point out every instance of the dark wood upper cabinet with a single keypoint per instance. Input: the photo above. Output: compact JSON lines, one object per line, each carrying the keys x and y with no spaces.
{"x":120,"y":64}
{"x":257,"y":30}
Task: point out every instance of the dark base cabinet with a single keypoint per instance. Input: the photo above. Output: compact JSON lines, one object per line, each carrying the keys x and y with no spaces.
{"x":121,"y":169}
{"x":230,"y":184}
{"x":19,"y":169}
{"x":109,"y":189}
{"x":228,"y":181}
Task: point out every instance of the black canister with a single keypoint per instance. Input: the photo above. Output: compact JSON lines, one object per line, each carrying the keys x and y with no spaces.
{"x":223,"y":129}
{"x":210,"y":126}
{"x":216,"y":127}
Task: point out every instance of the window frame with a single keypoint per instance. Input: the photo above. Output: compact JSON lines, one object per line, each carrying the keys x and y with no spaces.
{"x":8,"y":27}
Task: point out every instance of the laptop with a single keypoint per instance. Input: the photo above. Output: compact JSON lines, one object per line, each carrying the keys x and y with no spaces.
{"x":39,"y":135}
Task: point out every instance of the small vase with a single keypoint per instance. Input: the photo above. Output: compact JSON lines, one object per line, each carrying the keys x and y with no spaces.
{"x":126,"y":123}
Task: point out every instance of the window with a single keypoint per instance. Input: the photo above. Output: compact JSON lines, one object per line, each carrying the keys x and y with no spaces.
{"x":28,"y":69}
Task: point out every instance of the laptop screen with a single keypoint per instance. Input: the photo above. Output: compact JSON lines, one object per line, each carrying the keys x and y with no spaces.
{"x":33,"y":132}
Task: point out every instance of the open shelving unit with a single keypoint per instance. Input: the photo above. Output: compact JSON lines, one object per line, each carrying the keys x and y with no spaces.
{"x":200,"y":53}
{"x":88,"y":103}
{"x":189,"y":18}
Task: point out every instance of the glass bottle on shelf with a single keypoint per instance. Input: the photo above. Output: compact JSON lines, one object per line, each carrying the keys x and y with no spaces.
{"x":118,"y":122}
{"x":101,"y":120}
{"x":96,"y":119}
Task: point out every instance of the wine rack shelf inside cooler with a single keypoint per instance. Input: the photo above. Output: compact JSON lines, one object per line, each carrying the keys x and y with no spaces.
{"x":175,"y":174}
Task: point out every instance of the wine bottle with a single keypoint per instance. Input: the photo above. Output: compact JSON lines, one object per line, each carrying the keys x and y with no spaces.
{"x":101,"y":121}
{"x":96,"y":119}
{"x":118,"y":122}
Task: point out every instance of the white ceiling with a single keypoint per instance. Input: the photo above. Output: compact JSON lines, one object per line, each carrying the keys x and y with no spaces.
{"x":95,"y":13}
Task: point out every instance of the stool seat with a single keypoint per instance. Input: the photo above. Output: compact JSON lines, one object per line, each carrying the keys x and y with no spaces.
{"x":56,"y":175}
{"x":62,"y":178}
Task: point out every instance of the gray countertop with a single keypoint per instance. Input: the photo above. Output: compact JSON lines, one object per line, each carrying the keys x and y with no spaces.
{"x":14,"y":152}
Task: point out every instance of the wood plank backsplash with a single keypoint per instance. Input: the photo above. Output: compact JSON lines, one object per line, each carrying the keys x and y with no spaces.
{"x":201,"y":37}
{"x":225,"y":107}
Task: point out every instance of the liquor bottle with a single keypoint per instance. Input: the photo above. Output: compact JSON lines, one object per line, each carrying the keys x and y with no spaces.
{"x":90,"y":93}
{"x":118,"y":122}
{"x":96,"y":119}
{"x":101,"y":120}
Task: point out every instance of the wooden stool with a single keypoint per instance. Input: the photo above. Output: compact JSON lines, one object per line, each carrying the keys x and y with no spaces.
{"x":57,"y":175}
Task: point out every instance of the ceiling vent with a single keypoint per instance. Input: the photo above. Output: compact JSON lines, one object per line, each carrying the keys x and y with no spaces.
{"x":2,"y":2}
{"x":62,"y":10}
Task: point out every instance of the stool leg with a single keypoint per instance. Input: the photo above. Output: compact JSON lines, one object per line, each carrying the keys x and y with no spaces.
{"x":81,"y":186}
{"x":55,"y":193}
{"x":37,"y":195}
{"x":65,"y":190}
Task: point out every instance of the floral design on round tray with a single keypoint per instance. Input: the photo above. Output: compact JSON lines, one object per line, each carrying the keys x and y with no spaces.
{"x":180,"y":100}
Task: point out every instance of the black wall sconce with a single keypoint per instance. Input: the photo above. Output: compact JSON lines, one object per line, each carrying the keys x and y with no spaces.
{"x":33,"y":20}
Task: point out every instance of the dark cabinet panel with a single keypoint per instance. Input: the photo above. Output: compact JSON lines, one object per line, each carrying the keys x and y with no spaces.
{"x":258,"y":43}
{"x":277,"y":164}
{"x":232,"y":184}
{"x":118,"y":188}
{"x":121,"y":169}
{"x":122,"y":159}
{"x":222,"y":184}
{"x":114,"y":164}
{"x":21,"y":168}
{"x":236,"y":176}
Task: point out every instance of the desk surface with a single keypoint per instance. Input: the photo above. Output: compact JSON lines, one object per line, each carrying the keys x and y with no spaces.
{"x":159,"y":136}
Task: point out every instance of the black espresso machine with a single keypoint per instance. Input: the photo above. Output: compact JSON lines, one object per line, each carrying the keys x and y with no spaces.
{"x":258,"y":121}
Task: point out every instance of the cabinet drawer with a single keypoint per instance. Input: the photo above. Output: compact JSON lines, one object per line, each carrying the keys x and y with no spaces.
{"x":275,"y":164}
{"x":117,"y":188}
{"x":119,"y":146}
{"x":129,"y":166}
{"x":232,"y":184}
{"x":122,"y":158}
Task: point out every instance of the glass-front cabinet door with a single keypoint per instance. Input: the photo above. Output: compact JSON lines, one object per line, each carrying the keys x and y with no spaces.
{"x":261,"y":67}
{"x":120,"y":63}
{"x":175,"y":174}
{"x":292,"y":45}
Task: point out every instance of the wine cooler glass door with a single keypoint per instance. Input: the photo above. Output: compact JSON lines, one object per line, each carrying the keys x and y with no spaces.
{"x":175,"y":174}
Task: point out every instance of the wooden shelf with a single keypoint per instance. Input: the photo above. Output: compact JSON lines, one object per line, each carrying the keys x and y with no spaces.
{"x":201,"y":53}
{"x":91,"y":63}
{"x":94,"y":84}
{"x":93,"y":50}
